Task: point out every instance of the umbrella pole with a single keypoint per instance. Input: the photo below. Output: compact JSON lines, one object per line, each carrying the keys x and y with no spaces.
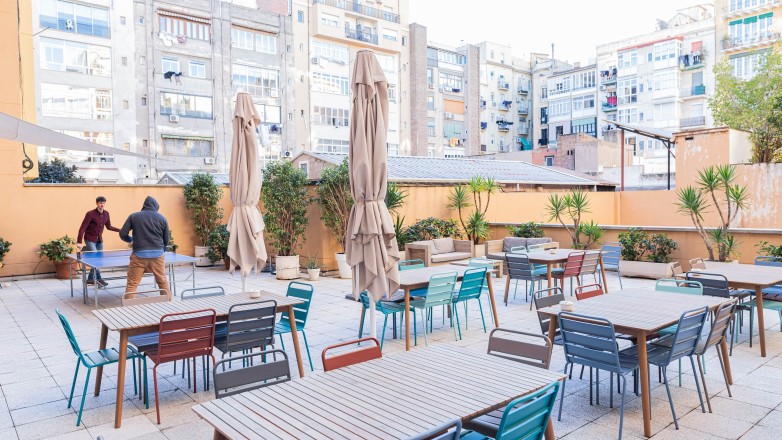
{"x":244,"y":283}
{"x":372,"y":326}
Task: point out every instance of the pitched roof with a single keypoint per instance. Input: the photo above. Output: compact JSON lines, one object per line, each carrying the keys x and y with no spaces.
{"x":184,"y":177}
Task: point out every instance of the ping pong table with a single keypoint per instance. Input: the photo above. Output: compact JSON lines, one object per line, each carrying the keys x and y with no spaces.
{"x":119,"y":259}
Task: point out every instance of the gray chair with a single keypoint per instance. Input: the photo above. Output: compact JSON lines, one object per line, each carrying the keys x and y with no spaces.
{"x":448,"y":431}
{"x":612,"y":254}
{"x":717,"y":332}
{"x":717,"y":285}
{"x":590,"y":264}
{"x":252,"y":376}
{"x":249,"y":326}
{"x":547,"y":298}
{"x":519,"y":268}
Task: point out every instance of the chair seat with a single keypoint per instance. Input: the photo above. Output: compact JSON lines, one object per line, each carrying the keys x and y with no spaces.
{"x":421,"y":303}
{"x":283,"y":327}
{"x":107,"y":356}
{"x":144,"y":342}
{"x":487,"y":424}
{"x":609,"y":267}
{"x":656,"y":352}
{"x":389,"y":307}
{"x":538,"y":271}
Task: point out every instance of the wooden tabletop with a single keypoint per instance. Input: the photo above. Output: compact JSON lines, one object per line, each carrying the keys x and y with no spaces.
{"x":559,"y":256}
{"x":395,"y":397}
{"x":417,"y":278}
{"x":746,"y":275}
{"x":640,"y":309}
{"x":148,"y":315}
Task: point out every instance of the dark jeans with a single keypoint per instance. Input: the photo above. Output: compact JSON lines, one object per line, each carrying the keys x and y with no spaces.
{"x":91,"y":246}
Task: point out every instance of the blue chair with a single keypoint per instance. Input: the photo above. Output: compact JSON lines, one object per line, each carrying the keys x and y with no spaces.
{"x":612,"y":254}
{"x":591,"y":341}
{"x":489,"y":265}
{"x":677,"y":286}
{"x":302,"y":291}
{"x":386,"y":308}
{"x":519,"y":268}
{"x":471,"y":288}
{"x":438,"y":293}
{"x":717,"y":285}
{"x":410,"y":265}
{"x":772,"y":296}
{"x":98,"y":358}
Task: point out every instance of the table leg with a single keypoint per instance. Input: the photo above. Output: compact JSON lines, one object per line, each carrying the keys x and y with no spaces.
{"x":104,"y":336}
{"x":84,"y":284}
{"x":726,"y":359}
{"x":407,"y":319}
{"x":643,"y":367}
{"x":295,"y":337}
{"x":552,"y":329}
{"x":549,"y":435}
{"x":219,"y":436}
{"x":507,"y":289}
{"x":761,"y":323}
{"x":603,"y":274}
{"x":549,"y":266}
{"x":491,"y":298}
{"x":123,"y":353}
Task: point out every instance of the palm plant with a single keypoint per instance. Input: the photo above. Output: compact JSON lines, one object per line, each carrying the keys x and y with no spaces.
{"x":476,"y":227}
{"x":571,"y":206}
{"x":459,"y":199}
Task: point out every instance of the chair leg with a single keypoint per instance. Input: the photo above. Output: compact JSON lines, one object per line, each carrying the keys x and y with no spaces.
{"x":724,"y":373}
{"x":622,"y":406}
{"x":84,"y":394}
{"x":562,"y":395}
{"x":483,"y":320}
{"x":423,"y":317}
{"x":307,"y":347}
{"x":670,"y":399}
{"x":383,"y":335}
{"x":680,"y":371}
{"x":455,"y":311}
{"x":73,"y":385}
{"x":751,"y":324}
{"x":611,"y":390}
{"x":146,"y":383}
{"x":703,"y":378}
{"x":157,"y":399}
{"x":697,"y":385}
{"x":361,"y":321}
{"x":619,"y":275}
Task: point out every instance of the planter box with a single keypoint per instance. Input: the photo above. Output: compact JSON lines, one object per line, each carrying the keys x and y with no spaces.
{"x":480,"y":251}
{"x":287,"y":267}
{"x":646,"y":269}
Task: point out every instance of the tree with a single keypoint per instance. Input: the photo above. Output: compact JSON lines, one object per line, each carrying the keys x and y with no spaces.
{"x":202,"y":199}
{"x":753,"y":105}
{"x":335,"y":200}
{"x":285,"y":200}
{"x":57,"y":171}
{"x":476,"y":227}
{"x":571,"y":206}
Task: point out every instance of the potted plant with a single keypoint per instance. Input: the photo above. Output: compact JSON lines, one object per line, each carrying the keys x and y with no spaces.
{"x":313,"y":270}
{"x":335,"y":200}
{"x":592,"y":233}
{"x":202,"y":197}
{"x":218,"y":246}
{"x":285,"y":200}
{"x":57,"y":251}
{"x":476,"y":227}
{"x":526,"y":230}
{"x":5,"y":246}
{"x":765,"y":249}
{"x":572,"y":206}
{"x":646,"y":256}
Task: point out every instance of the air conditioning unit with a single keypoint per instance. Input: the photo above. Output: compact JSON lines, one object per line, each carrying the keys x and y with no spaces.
{"x":431,"y":86}
{"x":448,"y":115}
{"x":603,"y":87}
{"x":173,"y":118}
{"x":274,"y":93}
{"x":209,"y":160}
{"x":288,"y":154}
{"x":315,"y":60}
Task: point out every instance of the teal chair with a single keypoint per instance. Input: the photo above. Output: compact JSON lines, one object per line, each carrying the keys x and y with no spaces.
{"x":409,"y":265}
{"x":489,"y":265}
{"x":677,"y":286}
{"x":99,"y":358}
{"x":438,"y":293}
{"x":471,"y":288}
{"x":386,"y":308}
{"x":302,"y":291}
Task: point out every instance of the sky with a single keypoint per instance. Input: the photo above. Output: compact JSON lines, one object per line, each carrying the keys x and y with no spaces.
{"x":574,"y":26}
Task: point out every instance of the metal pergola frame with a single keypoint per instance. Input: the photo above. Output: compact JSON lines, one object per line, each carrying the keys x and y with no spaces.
{"x":663,"y":136}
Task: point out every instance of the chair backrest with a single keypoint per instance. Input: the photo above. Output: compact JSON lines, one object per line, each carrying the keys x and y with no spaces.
{"x":440,"y":290}
{"x":573,"y":264}
{"x":472,"y":284}
{"x":677,"y":270}
{"x":546,"y":298}
{"x":519,"y":267}
{"x":528,"y":416}
{"x":145,"y":297}
{"x":268,"y":370}
{"x":536,"y":247}
{"x":688,"y":332}
{"x":505,"y":343}
{"x":697,"y":263}
{"x":250,"y":325}
{"x":411,"y":264}
{"x":612,"y":253}
{"x":481,"y":262}
{"x":186,"y":334}
{"x":768,"y":261}
{"x":719,"y":324}
{"x":302,"y":291}
{"x":447,"y":431}
{"x":591,"y":261}
{"x":66,"y":326}
{"x":679,"y":286}
{"x":519,"y":249}
{"x":202,"y":292}
{"x":351,"y":357}
{"x":588,"y":291}
{"x":590,"y":341}
{"x":713,"y":284}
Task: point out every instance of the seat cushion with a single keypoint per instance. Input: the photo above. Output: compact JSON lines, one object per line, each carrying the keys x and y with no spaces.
{"x":511,"y":242}
{"x":541,"y":240}
{"x":443,"y":246}
{"x":450,"y":256}
{"x":496,"y":255}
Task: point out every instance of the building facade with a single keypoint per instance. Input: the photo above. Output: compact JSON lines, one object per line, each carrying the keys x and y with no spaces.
{"x":744,"y":30}
{"x":571,"y":102}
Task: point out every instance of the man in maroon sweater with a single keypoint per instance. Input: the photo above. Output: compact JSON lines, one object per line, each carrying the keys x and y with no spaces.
{"x":91,"y":231}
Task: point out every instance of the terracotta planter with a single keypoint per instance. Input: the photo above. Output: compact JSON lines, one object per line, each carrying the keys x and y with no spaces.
{"x":344,"y":268}
{"x":287,"y":267}
{"x":646,"y":269}
{"x":64,"y":269}
{"x":227,"y":263}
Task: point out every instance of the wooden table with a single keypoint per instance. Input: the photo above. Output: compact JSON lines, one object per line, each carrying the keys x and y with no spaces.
{"x":145,"y":318}
{"x":395,"y":397}
{"x":750,"y":276}
{"x":558,"y":257}
{"x":412,"y":279}
{"x":640,"y":313}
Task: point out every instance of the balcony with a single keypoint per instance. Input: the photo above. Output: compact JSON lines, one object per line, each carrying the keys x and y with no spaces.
{"x":694,"y":91}
{"x":522,"y":90}
{"x":522,"y":108}
{"x":543,"y":142}
{"x":367,"y":35}
{"x":360,"y":9}
{"x":506,"y":105}
{"x":762,"y":39}
{"x":608,"y":76}
{"x":738,"y":11}
{"x":523,"y":129}
{"x":609,"y":106}
{"x":692,"y":61}
{"x":694,"y":121}
{"x":483,"y":104}
{"x":503,"y":85}
{"x":484,"y":125}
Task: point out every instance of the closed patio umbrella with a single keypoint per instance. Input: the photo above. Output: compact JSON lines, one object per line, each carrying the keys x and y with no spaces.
{"x":371,"y":248}
{"x":245,"y":246}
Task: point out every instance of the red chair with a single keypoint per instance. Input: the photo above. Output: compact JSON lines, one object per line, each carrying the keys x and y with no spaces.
{"x":182,"y":336}
{"x":572,"y":269}
{"x":352,"y":357}
{"x":588,"y":291}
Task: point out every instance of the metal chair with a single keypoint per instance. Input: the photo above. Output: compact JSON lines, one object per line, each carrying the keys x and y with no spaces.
{"x":447,"y":431}
{"x":687,"y":287}
{"x":146,"y":297}
{"x":98,"y":358}
{"x":489,"y":265}
{"x":552,"y":297}
{"x":676,"y":269}
{"x":202,"y":292}
{"x":772,"y":296}
{"x":146,"y":341}
{"x":249,"y":326}
{"x":344,"y":359}
{"x":438,"y":293}
{"x":588,"y":291}
{"x":519,"y":268}
{"x":411,"y":264}
{"x":536,"y":247}
{"x":302,"y":291}
{"x":471,"y":288}
{"x":718,"y":331}
{"x":386,"y":308}
{"x":571,"y":269}
{"x":220,"y":328}
{"x":612,"y":255}
{"x":717,"y":285}
{"x":590,"y":265}
{"x":697,"y":263}
{"x":591,"y":341}
{"x":251,"y":376}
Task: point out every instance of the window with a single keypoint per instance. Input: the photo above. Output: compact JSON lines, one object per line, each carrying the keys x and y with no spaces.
{"x":628,"y":115}
{"x":324,"y":82}
{"x":253,"y":40}
{"x":666,"y":50}
{"x":387,"y":62}
{"x":60,"y":100}
{"x":393,"y":149}
{"x":186,"y":106}
{"x":304,"y":166}
{"x":337,"y":117}
{"x":300,"y":16}
{"x":106,"y":139}
{"x":430,"y":128}
{"x":270,"y":114}
{"x":429,"y":76}
{"x":584,"y":80}
{"x":170,"y":64}
{"x":627,"y":90}
{"x":257,"y":81}
{"x":392,"y":92}
{"x":69,"y":56}
{"x":72,"y":17}
{"x":125,"y":104}
{"x":197,"y":69}
{"x":453,"y":129}
{"x":627,"y":58}
{"x":584,"y":126}
{"x":559,"y":107}
{"x":330,"y":51}
{"x":122,"y":20}
{"x":184,"y":27}
{"x":666,"y":81}
{"x":746,"y":65}
{"x":124,"y":61}
{"x":544,"y":92}
{"x":390,"y":34}
{"x":451,"y":82}
{"x":549,"y":161}
{"x":584,"y":102}
{"x":187,"y":146}
{"x":665,"y":111}
{"x":329,"y":20}
{"x":430,"y":102}
{"x":451,"y":57}
{"x":332,"y":146}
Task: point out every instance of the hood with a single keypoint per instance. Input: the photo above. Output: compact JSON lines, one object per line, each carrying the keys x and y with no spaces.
{"x":150,"y":204}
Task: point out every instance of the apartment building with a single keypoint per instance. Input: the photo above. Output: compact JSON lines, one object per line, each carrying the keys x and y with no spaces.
{"x":571,"y":102}
{"x":745,"y":29}
{"x":543,"y":67}
{"x":327,"y":34}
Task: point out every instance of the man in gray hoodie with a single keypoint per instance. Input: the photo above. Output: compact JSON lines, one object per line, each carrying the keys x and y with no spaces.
{"x":150,"y":238}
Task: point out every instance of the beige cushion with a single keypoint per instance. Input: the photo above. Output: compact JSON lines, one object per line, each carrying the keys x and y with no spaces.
{"x":450,"y":256}
{"x":442,"y":246}
{"x":511,"y":242}
{"x":496,"y":255}
{"x":541,"y":240}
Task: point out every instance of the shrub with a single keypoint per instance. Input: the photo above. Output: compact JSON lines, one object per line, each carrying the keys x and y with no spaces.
{"x":765,"y":248}
{"x":285,"y":200}
{"x":636,"y":244}
{"x":57,"y":171}
{"x":202,"y":197}
{"x":218,"y":244}
{"x":526,"y":230}
{"x":5,"y":246}
{"x":661,"y":247}
{"x":431,"y":228}
{"x":592,"y":231}
{"x":57,"y":250}
{"x":335,"y":200}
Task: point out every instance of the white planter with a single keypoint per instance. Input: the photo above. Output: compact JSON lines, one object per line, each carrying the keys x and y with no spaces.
{"x":287,"y":267}
{"x":646,"y":269}
{"x":480,"y":250}
{"x":313,"y":274}
{"x":200,"y":254}
{"x":344,"y":268}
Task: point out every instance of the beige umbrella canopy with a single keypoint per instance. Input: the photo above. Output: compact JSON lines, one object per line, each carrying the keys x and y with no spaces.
{"x":371,"y":247}
{"x":245,"y":246}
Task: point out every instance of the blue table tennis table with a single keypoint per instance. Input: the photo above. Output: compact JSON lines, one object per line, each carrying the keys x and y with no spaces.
{"x":120,"y":259}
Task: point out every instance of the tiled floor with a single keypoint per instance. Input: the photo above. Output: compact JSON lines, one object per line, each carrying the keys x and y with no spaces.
{"x":36,"y":369}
